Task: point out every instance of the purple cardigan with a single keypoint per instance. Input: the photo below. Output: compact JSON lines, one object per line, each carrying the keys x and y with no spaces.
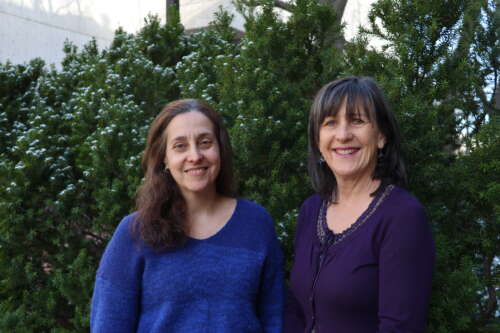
{"x":377,"y":279}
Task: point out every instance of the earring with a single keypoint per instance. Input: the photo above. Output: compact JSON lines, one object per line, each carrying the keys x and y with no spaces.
{"x":321,"y":160}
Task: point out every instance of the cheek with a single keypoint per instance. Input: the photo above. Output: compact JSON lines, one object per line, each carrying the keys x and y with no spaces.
{"x":172,"y":160}
{"x":215,"y":157}
{"x":322,"y":142}
{"x":214,"y":154}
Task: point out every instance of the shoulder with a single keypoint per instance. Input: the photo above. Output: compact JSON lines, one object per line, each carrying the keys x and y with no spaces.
{"x":308,"y":214}
{"x":123,"y":242}
{"x":403,"y":217}
{"x":402,"y":204}
{"x":122,"y":251}
{"x":312,"y":201}
{"x":309,"y":209}
{"x":252,"y":210}
{"x":254,"y":225}
{"x":124,"y":230}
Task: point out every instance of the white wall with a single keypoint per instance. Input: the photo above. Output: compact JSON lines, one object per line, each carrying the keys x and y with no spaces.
{"x":38,"y":28}
{"x":356,"y":15}
{"x":196,"y":14}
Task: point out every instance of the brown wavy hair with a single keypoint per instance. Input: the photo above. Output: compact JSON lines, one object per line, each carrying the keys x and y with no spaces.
{"x":161,"y":208}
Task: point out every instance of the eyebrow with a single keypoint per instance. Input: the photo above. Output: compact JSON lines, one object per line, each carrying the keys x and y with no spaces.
{"x":184,"y":138}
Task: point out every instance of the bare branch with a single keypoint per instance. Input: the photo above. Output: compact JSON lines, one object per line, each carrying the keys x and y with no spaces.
{"x":283,"y":5}
{"x":172,"y":10}
{"x":337,"y":5}
{"x":496,"y":96}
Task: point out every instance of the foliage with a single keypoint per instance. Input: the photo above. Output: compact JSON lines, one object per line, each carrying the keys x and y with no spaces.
{"x":72,"y":140}
{"x":439,"y":70}
{"x":70,"y":168}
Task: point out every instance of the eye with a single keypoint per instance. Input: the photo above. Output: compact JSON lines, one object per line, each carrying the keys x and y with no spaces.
{"x":358,"y":121}
{"x":329,"y":122}
{"x":206,"y":143}
{"x":179,"y":146}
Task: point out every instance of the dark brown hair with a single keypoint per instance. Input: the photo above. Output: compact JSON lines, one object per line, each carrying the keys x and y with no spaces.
{"x":361,"y":94}
{"x":161,"y":207}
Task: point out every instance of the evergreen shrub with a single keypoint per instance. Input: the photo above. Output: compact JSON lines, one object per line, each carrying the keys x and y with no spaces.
{"x":72,"y":139}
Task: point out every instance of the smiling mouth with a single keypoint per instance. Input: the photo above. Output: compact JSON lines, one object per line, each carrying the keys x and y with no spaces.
{"x":196,"y":171}
{"x":346,"y":151}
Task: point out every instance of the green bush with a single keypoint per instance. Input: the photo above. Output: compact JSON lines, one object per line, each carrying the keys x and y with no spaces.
{"x":72,"y":141}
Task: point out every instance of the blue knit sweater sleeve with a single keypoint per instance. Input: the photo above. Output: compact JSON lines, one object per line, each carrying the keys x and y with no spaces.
{"x":116,"y":298}
{"x":271,"y":296}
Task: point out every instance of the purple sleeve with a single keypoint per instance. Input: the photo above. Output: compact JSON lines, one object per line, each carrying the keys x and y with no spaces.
{"x":294,"y":315}
{"x":406,"y":259}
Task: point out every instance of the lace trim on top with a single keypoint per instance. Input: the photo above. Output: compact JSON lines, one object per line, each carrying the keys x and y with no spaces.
{"x":328,"y":237}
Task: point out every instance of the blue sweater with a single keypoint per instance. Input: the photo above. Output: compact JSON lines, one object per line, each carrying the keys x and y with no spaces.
{"x":229,"y":282}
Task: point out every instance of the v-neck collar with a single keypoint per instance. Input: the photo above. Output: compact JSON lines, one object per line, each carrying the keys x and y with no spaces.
{"x":327,"y":237}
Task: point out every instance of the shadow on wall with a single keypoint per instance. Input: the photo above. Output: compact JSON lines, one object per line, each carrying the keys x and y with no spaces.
{"x":38,"y":28}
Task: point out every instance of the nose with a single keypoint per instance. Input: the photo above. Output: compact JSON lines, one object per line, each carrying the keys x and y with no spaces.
{"x":344,"y":132}
{"x":194,"y":155}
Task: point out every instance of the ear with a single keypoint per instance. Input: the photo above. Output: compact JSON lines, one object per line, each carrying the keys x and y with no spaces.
{"x":380,"y":141}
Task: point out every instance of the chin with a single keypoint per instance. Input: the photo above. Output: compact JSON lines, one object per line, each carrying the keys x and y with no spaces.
{"x":196,"y":189}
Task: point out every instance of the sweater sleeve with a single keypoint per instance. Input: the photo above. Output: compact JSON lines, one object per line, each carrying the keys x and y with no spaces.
{"x":406,"y":259}
{"x":294,"y":315}
{"x":271,"y":293}
{"x":116,"y":299}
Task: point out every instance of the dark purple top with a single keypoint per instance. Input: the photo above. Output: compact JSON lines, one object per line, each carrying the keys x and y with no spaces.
{"x":373,"y":278}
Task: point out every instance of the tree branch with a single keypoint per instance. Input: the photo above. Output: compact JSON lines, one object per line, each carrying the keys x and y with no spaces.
{"x":283,"y":5}
{"x":173,"y":7}
{"x":488,"y":311}
{"x":337,"y":5}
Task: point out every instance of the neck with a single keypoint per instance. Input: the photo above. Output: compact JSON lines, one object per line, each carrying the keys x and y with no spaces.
{"x":351,"y":190}
{"x":201,"y":203}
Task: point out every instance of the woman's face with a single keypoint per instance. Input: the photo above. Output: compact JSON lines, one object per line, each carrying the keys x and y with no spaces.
{"x":349,"y":146}
{"x":192,"y":154}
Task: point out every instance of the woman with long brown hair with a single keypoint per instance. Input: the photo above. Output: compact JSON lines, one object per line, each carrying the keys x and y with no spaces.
{"x":193,"y":258}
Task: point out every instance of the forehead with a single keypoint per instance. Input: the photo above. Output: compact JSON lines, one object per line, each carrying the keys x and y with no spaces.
{"x":189,"y":124}
{"x":348,"y":106}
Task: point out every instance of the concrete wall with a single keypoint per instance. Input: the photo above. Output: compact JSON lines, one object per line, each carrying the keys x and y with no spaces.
{"x":196,"y":14}
{"x":356,"y":15}
{"x":38,"y":28}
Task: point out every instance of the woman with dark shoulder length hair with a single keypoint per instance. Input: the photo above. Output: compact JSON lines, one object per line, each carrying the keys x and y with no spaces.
{"x":363,"y":247}
{"x":192,"y":258}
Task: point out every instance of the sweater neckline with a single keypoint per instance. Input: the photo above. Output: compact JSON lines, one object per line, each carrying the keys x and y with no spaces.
{"x":222,"y":230}
{"x":327,"y":237}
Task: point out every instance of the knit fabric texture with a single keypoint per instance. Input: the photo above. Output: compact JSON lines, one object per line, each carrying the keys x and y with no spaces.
{"x":229,"y":282}
{"x":374,"y":277}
